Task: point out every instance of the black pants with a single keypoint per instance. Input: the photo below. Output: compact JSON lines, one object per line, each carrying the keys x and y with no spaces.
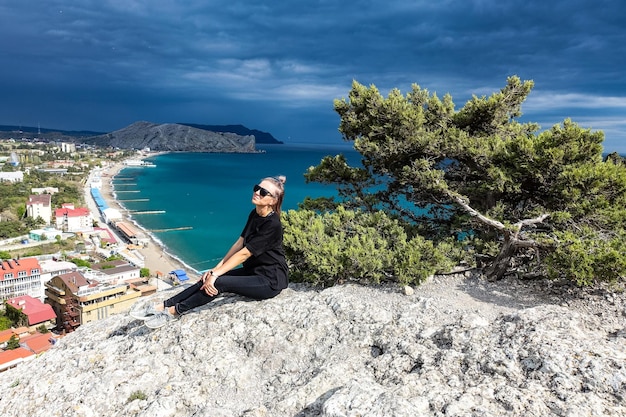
{"x":235,"y":281}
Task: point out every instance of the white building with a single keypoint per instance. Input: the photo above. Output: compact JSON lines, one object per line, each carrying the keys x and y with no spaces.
{"x":51,"y":268}
{"x":21,"y":277}
{"x":40,"y":205}
{"x":72,"y":219}
{"x":17,"y":176}
{"x":112,"y":215}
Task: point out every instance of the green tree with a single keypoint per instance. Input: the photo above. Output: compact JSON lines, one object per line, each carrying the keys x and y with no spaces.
{"x":144,"y":272}
{"x":5,"y":322}
{"x":16,"y":315}
{"x":365,"y":247}
{"x":13,"y":343}
{"x":518,"y":197}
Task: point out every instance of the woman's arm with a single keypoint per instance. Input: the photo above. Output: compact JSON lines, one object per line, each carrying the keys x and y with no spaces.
{"x":236,"y":255}
{"x":237,"y":246}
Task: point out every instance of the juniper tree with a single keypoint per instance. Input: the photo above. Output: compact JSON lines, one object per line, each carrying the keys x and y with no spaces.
{"x":523,"y":200}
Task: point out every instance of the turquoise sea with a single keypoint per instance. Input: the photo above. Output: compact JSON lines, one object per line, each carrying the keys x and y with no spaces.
{"x":208,"y":195}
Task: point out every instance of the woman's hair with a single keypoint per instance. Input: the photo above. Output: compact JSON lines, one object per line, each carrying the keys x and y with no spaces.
{"x":279,"y":181}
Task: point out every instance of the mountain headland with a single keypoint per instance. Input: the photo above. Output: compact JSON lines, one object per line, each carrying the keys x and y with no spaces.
{"x":185,"y":137}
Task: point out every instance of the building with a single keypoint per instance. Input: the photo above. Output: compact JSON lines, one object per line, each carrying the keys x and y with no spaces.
{"x":48,"y":233}
{"x":68,"y":147}
{"x":44,"y":190}
{"x":37,"y":312}
{"x":21,"y":277}
{"x":116,"y":271}
{"x":12,"y":358}
{"x":31,"y":345}
{"x":40,"y":205}
{"x":50,"y":268}
{"x":17,"y":176}
{"x":70,"y":219}
{"x":77,"y":300}
{"x":131,"y":234}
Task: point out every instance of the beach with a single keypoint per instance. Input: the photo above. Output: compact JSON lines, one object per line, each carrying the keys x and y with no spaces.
{"x":156,"y":259}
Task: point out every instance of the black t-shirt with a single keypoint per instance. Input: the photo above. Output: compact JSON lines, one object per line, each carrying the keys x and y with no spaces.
{"x":263,"y":237}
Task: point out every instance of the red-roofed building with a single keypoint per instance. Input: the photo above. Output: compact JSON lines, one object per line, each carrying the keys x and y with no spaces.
{"x":37,"y":342}
{"x":5,"y":335}
{"x":37,"y":312}
{"x":70,"y":219}
{"x":21,"y":277}
{"x":12,"y":358}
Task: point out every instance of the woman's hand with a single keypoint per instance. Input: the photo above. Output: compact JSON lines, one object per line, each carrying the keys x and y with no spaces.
{"x":208,"y":279}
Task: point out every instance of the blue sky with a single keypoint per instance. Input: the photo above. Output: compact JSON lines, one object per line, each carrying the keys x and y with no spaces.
{"x":276,"y":66}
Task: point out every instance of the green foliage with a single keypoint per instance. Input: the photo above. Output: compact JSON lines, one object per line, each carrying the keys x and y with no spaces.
{"x":81,"y":262}
{"x":144,"y":272}
{"x":13,"y":197}
{"x":137,"y":395}
{"x":17,"y":316}
{"x":5,"y":255}
{"x":5,"y":322}
{"x":363,"y":247}
{"x":43,"y":329}
{"x":13,"y":343}
{"x":583,"y":257}
{"x":12,"y":228}
{"x":526,"y":198}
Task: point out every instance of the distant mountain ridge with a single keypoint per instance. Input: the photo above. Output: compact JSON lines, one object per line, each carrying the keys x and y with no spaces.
{"x":4,"y":129}
{"x":167,"y":137}
{"x":172,"y":137}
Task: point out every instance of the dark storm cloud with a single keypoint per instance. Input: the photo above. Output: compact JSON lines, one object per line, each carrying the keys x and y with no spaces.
{"x":277,"y":66}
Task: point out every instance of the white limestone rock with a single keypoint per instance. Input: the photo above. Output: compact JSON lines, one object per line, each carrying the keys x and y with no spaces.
{"x":455,"y":348}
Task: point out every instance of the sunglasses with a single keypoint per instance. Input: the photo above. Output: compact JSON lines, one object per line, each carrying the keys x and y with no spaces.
{"x":262,"y":191}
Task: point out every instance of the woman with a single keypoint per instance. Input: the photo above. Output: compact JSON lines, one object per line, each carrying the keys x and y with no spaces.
{"x":259,"y":249}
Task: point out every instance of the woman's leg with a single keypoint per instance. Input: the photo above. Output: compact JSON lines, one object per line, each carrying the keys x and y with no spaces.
{"x":235,"y":282}
{"x":188,"y":299}
{"x":251,"y":286}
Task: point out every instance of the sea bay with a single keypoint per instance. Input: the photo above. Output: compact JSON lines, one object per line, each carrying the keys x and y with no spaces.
{"x":195,"y":204}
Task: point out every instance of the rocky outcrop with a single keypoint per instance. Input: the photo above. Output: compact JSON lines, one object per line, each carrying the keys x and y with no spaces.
{"x":342,"y":351}
{"x":172,"y":138}
{"x":259,"y":136}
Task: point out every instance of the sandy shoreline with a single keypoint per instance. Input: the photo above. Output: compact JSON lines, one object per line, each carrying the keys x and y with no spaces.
{"x":157,"y":260}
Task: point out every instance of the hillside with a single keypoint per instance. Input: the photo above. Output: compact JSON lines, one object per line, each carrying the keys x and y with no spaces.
{"x":458,"y":346}
{"x":171,"y":138}
{"x":12,"y":131}
{"x":261,"y":137}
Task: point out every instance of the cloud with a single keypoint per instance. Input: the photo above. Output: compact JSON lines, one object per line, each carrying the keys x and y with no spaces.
{"x":273,"y":63}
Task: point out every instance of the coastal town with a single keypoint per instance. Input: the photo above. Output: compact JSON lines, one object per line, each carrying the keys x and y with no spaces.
{"x":84,"y":260}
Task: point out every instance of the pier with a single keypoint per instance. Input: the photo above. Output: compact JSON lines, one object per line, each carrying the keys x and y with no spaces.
{"x":147,"y":212}
{"x":126,"y":191}
{"x":171,"y":230}
{"x":135,"y":200}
